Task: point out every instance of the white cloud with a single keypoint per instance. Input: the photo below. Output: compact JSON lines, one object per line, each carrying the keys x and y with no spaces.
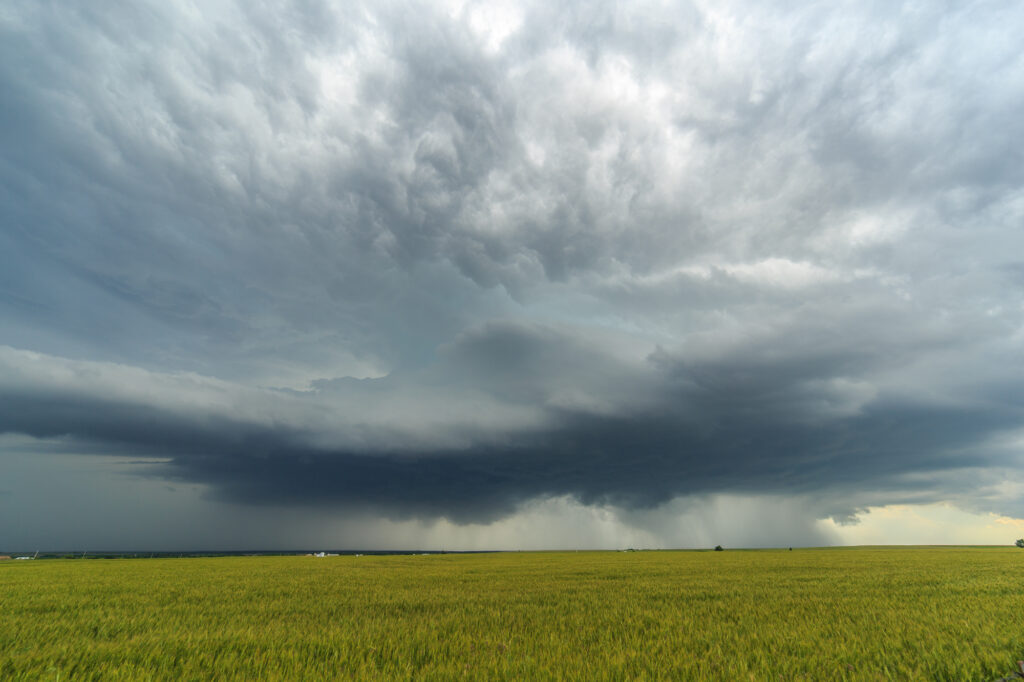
{"x":934,"y":524}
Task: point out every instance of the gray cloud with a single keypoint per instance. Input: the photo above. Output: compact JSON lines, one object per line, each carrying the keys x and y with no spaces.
{"x":442,"y":260}
{"x":511,"y":413}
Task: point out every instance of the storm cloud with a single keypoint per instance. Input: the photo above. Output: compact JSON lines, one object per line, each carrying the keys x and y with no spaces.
{"x":423,"y":261}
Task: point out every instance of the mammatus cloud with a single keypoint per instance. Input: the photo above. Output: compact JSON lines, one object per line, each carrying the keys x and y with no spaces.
{"x":447,"y":261}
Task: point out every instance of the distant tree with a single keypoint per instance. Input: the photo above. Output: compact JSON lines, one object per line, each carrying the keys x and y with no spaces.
{"x":718,"y":548}
{"x":1020,"y":543}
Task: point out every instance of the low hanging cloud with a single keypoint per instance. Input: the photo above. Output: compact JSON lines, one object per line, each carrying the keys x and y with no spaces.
{"x":511,"y":413}
{"x":446,"y":260}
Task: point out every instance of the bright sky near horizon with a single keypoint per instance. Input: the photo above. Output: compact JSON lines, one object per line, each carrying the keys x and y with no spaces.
{"x":476,"y":275}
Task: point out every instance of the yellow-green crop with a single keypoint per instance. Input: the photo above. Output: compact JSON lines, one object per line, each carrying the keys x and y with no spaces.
{"x":921,"y":614}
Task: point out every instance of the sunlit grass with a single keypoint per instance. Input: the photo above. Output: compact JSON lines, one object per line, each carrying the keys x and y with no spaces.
{"x":935,"y":614}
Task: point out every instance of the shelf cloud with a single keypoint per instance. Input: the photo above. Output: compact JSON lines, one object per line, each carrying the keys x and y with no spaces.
{"x":456,"y":260}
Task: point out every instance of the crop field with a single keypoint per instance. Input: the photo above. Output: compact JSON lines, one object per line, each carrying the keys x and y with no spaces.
{"x":843,"y":614}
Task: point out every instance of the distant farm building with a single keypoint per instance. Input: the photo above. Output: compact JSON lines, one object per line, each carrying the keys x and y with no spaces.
{"x":4,"y":557}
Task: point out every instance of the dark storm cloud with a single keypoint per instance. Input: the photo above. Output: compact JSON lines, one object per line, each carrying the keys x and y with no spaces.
{"x":489,"y":253}
{"x":599,"y":431}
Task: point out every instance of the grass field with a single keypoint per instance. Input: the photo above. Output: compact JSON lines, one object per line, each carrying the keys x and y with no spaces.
{"x":850,"y":614}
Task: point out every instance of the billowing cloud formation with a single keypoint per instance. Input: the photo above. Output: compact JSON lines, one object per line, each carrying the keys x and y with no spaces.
{"x":442,"y":260}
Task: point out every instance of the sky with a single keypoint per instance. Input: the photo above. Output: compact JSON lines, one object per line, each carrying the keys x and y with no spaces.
{"x":474,"y":275}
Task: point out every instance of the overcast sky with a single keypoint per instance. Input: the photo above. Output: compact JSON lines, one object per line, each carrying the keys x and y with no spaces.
{"x":509,"y":275}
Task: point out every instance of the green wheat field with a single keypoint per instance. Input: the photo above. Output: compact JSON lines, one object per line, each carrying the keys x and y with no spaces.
{"x":818,"y":614}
